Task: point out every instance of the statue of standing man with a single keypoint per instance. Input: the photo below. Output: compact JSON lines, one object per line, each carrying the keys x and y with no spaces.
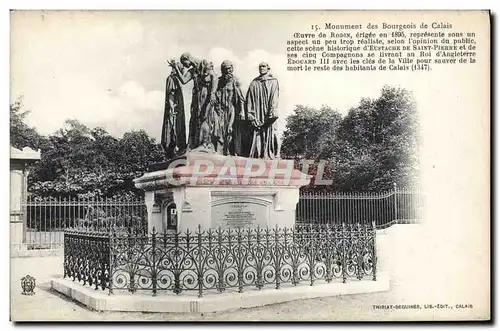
{"x":229,"y":113}
{"x":202,"y":106}
{"x":262,"y":103}
{"x":176,"y":131}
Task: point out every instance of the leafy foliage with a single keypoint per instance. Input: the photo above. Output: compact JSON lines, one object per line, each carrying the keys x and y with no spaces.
{"x":306,"y":130}
{"x":372,"y":147}
{"x":21,"y":135}
{"x":78,"y":160}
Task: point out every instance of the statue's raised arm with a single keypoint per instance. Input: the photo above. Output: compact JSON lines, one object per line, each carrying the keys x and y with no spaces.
{"x":186,"y":69}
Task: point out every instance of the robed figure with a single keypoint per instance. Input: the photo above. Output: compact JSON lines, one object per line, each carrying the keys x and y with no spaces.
{"x":262,"y":104}
{"x":229,"y":112}
{"x":202,"y":106}
{"x":175,"y":137}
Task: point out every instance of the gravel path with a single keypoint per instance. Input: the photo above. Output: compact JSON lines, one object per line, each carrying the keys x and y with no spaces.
{"x":410,"y":284}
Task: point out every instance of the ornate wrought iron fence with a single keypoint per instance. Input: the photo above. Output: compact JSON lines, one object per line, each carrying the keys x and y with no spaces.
{"x":221,"y":259}
{"x":45,"y":219}
{"x":86,"y":257}
{"x":384,"y":208}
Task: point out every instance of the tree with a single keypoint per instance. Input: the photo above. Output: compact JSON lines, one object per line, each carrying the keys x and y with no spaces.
{"x":89,"y":161}
{"x":369,"y":149}
{"x":305,"y":130}
{"x":64,"y":166}
{"x":21,"y":135}
{"x":378,"y":143}
{"x":137,"y":151}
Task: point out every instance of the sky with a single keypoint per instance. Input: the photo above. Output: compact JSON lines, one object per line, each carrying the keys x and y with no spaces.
{"x":108,"y":69}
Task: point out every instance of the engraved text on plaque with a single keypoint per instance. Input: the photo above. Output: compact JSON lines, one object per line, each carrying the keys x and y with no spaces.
{"x":240,"y":212}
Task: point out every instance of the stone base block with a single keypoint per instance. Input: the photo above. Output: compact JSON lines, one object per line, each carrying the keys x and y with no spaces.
{"x":212,"y":191}
{"x":190,"y":303}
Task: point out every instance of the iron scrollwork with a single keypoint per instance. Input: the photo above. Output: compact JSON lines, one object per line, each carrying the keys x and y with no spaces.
{"x":86,"y":257}
{"x":219,"y":260}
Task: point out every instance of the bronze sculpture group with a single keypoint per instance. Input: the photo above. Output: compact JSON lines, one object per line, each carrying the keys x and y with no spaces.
{"x":221,"y":118}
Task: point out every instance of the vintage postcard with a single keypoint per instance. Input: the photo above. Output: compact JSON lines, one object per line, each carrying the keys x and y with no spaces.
{"x":250,"y":165}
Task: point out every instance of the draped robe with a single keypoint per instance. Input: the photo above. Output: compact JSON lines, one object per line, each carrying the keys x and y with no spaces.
{"x":173,"y":135}
{"x":262,"y":103}
{"x":176,"y":130}
{"x":202,"y":109}
{"x":230,"y":109}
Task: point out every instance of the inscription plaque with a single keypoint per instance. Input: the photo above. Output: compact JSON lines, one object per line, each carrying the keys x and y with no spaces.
{"x":240,"y":213}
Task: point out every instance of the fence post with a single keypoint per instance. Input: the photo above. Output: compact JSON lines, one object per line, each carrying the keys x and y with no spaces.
{"x":176,"y":265}
{"x":65,"y":254}
{"x":344,"y":253}
{"x":154,"y":271}
{"x":361,"y":241}
{"x":111,"y":261}
{"x":131,"y":262}
{"x":395,"y":202}
{"x":259,"y":282}
{"x":200,"y":263}
{"x":277,"y":258}
{"x":374,"y":233}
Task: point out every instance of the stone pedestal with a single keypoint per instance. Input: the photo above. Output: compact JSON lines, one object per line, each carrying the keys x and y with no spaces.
{"x":19,"y":161}
{"x":211,"y":191}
